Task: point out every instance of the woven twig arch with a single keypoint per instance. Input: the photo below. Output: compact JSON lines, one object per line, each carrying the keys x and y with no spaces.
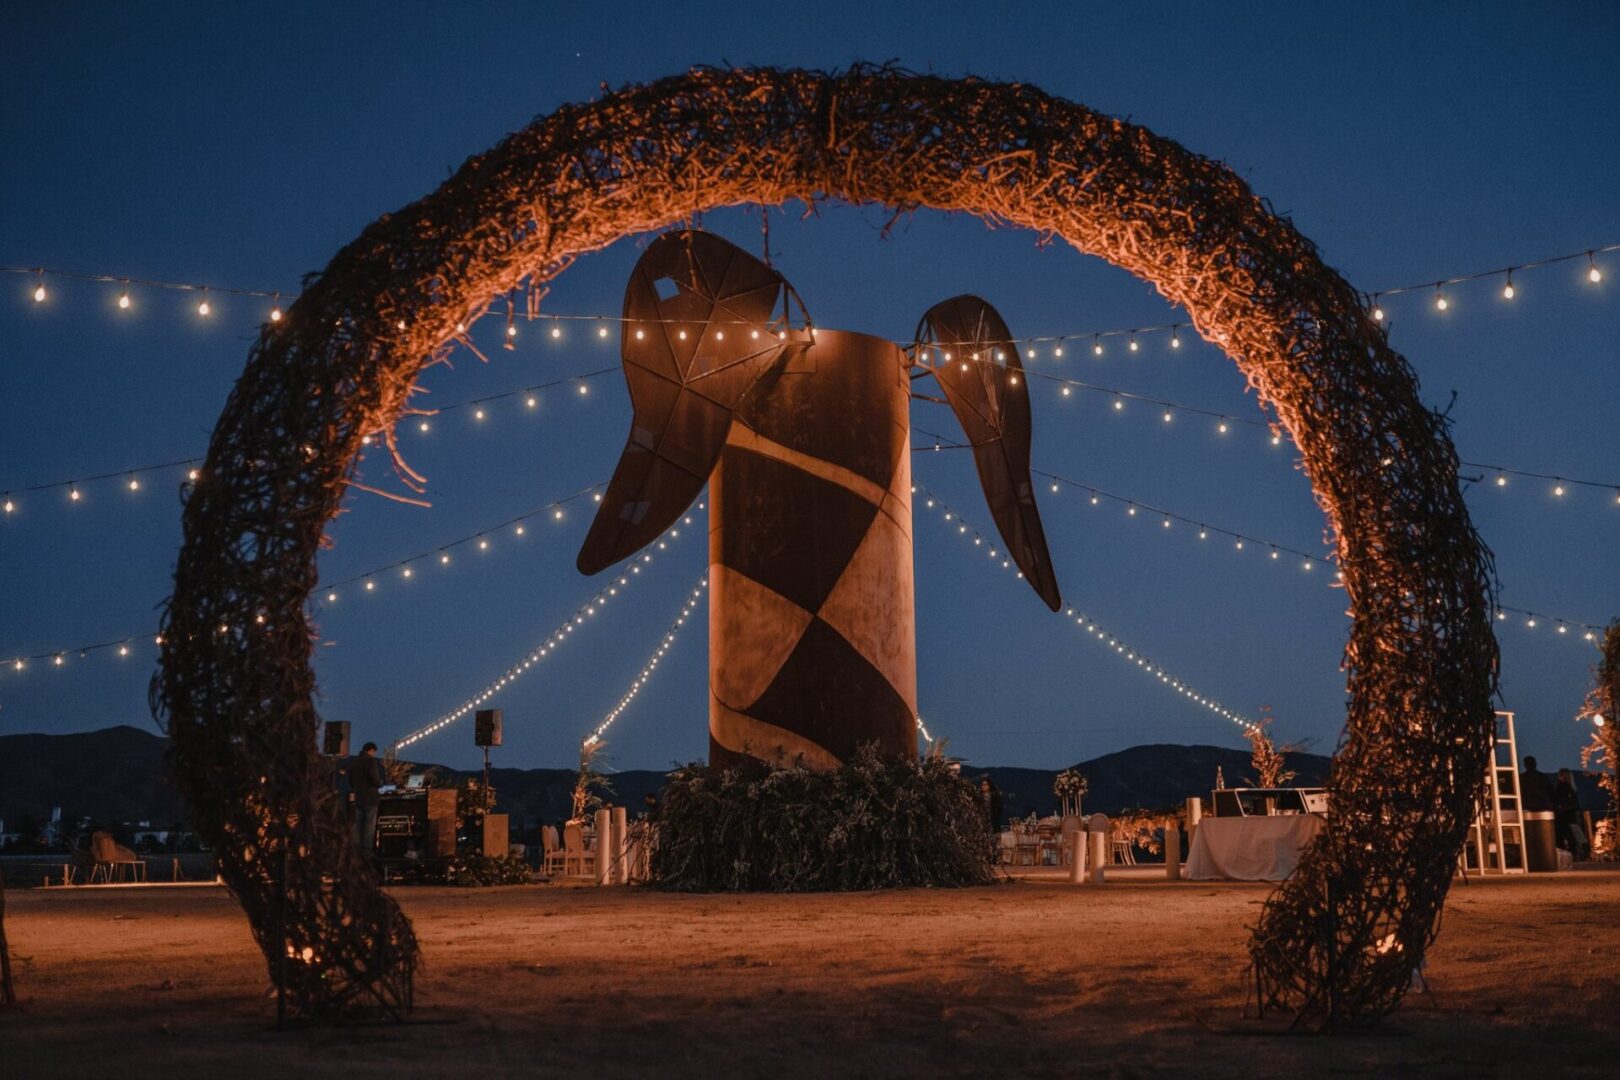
{"x":1337,"y":943}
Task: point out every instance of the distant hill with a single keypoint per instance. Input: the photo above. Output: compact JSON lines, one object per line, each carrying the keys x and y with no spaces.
{"x":116,"y":775}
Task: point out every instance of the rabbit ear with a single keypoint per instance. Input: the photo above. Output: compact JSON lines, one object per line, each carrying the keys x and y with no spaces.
{"x":976,"y":363}
{"x":703,"y":320}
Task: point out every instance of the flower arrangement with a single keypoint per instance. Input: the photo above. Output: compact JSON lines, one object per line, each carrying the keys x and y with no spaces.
{"x":1070,"y":787}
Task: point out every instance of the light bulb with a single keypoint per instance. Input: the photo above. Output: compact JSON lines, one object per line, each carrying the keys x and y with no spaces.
{"x":1221,"y":427}
{"x":583,"y":389}
{"x":1593,"y":274}
{"x":531,"y":402}
{"x":134,"y":484}
{"x":123,"y":300}
{"x":423,"y":426}
{"x":719,"y":335}
{"x":1133,"y":345}
{"x":203,"y":307}
{"x":483,"y":545}
{"x":331,"y":598}
{"x":10,"y":506}
{"x":681,"y":334}
{"x":511,"y":330}
{"x":401,"y":325}
{"x":478,"y":414}
{"x":1501,"y":480}
{"x":444,"y":558}
{"x":1167,"y":416}
{"x":73,"y":493}
{"x":558,"y":515}
{"x":1440,"y":301}
{"x":1377,"y":313}
{"x":39,"y":293}
{"x":1065,"y":391}
{"x":556,"y":331}
{"x":1175,"y":340}
{"x":520,"y":530}
{"x":275,"y":313}
{"x":1558,"y":489}
{"x":601,"y":331}
{"x":370,"y":585}
{"x":192,"y":475}
{"x":1508,"y":290}
{"x":1118,"y":404}
{"x":1096,"y":346}
{"x":405,"y":572}
{"x":1058,"y":351}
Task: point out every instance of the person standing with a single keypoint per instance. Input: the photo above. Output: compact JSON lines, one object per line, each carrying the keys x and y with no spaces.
{"x":1567,"y":814}
{"x":1535,"y":788}
{"x":366,"y":776}
{"x":991,"y":798}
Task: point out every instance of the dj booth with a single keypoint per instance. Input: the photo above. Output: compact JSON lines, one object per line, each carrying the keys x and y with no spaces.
{"x":417,"y":824}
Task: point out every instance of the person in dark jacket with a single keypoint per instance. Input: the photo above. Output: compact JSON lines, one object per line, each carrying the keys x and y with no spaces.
{"x":1567,"y":814}
{"x":1535,"y":788}
{"x":366,"y":775}
{"x":991,"y":798}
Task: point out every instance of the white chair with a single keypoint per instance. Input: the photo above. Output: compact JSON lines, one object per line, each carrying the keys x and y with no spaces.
{"x":554,"y":858}
{"x":577,"y":860}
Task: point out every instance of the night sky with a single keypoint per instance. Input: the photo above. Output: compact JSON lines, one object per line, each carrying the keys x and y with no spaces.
{"x":243,"y":145}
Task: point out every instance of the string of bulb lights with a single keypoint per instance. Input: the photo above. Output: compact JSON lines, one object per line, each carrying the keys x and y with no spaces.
{"x":368,"y":579}
{"x":970,"y":532}
{"x":1092,"y":338}
{"x":1136,"y":508}
{"x":1559,"y":485}
{"x":658,"y":654}
{"x":555,"y":640}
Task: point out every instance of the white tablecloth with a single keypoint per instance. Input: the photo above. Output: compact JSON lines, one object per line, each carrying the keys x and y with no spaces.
{"x":1249,"y":848}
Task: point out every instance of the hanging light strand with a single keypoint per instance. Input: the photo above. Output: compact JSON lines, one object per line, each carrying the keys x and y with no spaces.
{"x":665,"y":643}
{"x":1094,"y":338}
{"x":552,"y":642}
{"x":368,"y":580}
{"x":1560,"y":625}
{"x":1092,"y":629}
{"x":11,"y":497}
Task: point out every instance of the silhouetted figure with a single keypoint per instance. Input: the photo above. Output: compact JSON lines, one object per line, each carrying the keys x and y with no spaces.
{"x":1567,"y":814}
{"x":366,"y":775}
{"x":1535,"y":788}
{"x":991,"y":798}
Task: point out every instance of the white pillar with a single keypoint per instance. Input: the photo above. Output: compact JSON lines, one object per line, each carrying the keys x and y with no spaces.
{"x":1195,"y":812}
{"x":604,"y":846}
{"x":1172,"y":853}
{"x":1078,"y":856}
{"x":620,"y":871}
{"x":1097,"y":826}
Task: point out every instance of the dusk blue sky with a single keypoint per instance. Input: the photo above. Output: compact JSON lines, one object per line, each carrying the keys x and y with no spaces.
{"x":243,"y":145}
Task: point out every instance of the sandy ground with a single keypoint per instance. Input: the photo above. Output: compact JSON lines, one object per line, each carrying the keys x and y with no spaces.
{"x":1034,"y":978}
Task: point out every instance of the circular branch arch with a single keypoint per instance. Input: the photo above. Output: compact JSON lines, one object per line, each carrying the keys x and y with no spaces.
{"x":1336,"y":943}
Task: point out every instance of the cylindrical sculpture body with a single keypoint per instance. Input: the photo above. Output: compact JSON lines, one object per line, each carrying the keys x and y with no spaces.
{"x":812,"y":620}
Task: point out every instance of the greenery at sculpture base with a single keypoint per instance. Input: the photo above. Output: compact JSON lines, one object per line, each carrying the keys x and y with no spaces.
{"x":876,"y":822}
{"x":477,"y":871}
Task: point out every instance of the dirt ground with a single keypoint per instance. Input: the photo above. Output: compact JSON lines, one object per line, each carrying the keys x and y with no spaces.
{"x":1034,"y":978}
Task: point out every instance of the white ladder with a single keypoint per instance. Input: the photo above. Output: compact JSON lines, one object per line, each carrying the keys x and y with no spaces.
{"x":1498,"y":823}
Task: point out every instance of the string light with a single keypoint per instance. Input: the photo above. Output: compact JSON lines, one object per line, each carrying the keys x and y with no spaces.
{"x":123,"y":300}
{"x":203,"y":307}
{"x":664,"y":645}
{"x":1594,"y":275}
{"x":1440,"y":301}
{"x":1508,"y":292}
{"x":1137,"y":659}
{"x":547,"y":647}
